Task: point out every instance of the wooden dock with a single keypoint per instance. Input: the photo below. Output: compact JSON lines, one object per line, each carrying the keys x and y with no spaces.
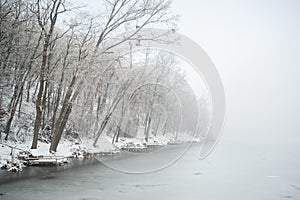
{"x":31,"y":160}
{"x":46,"y":161}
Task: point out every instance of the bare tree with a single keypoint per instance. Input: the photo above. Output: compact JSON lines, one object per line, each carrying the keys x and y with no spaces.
{"x":125,"y":13}
{"x":47,"y":14}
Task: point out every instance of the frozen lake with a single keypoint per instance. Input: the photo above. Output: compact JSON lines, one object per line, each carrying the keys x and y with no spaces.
{"x":234,"y":171}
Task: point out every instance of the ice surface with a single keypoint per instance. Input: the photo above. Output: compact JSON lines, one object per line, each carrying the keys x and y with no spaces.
{"x":235,"y":171}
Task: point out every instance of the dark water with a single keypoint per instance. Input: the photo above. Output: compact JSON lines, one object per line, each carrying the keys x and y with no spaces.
{"x":33,"y":171}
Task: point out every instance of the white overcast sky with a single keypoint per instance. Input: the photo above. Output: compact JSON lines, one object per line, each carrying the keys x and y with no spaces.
{"x":255,"y":45}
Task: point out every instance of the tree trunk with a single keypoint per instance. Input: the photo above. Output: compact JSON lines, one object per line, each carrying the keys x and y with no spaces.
{"x":147,"y":127}
{"x":63,"y":116}
{"x":38,"y":102}
{"x":59,"y":131}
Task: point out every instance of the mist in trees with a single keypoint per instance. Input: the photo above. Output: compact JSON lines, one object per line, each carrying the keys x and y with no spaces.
{"x":66,"y":62}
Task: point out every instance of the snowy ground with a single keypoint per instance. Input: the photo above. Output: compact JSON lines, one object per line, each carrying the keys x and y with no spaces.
{"x":139,"y":140}
{"x":65,"y":148}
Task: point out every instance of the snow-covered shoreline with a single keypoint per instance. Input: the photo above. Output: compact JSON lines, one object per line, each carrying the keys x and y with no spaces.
{"x":10,"y":151}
